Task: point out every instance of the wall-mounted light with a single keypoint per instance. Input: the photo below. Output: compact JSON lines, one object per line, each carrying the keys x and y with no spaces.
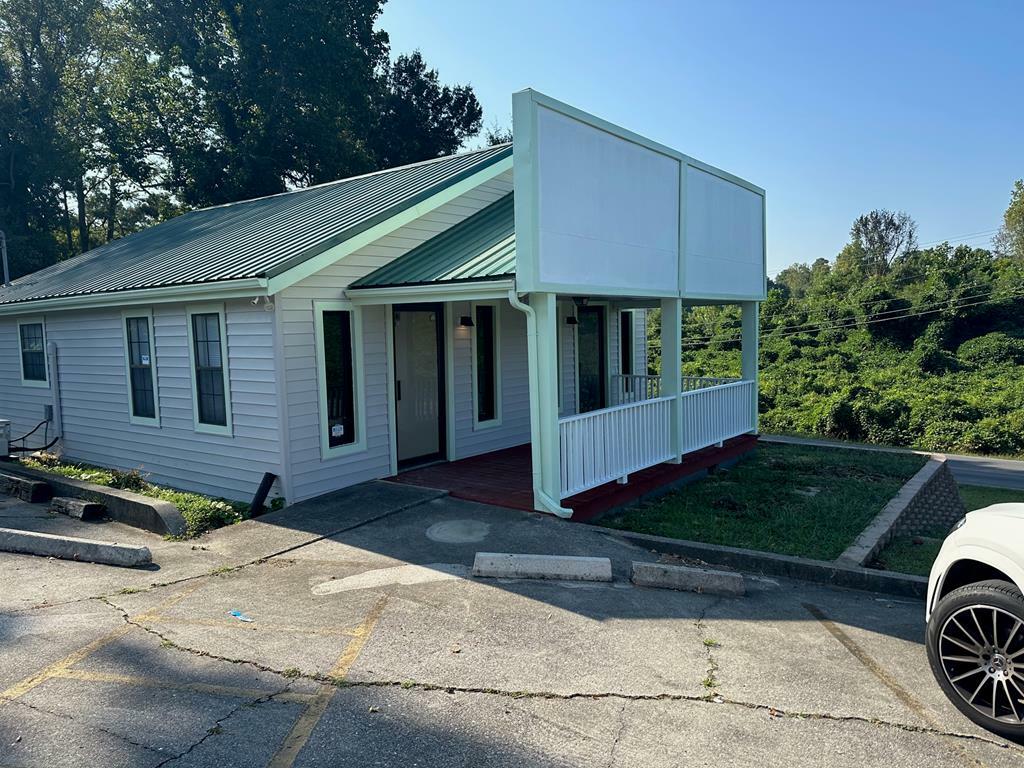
{"x":466,"y":321}
{"x":581,"y":301}
{"x":571,"y":320}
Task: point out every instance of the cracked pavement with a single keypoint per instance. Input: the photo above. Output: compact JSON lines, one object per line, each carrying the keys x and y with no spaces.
{"x":369,"y":646}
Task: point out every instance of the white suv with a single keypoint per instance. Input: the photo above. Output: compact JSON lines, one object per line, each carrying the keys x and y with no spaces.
{"x":975,"y":618}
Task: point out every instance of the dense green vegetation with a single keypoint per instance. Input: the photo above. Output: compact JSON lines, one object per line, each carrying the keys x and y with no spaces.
{"x":889,"y":343}
{"x":116,"y":114}
{"x":790,"y":499}
{"x":201,"y":513}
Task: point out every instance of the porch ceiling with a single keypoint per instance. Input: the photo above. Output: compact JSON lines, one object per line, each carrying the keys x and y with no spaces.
{"x":482,"y":247}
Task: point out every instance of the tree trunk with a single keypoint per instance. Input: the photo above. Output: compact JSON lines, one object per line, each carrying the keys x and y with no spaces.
{"x":111,"y":205}
{"x":69,"y":245}
{"x":83,"y":224}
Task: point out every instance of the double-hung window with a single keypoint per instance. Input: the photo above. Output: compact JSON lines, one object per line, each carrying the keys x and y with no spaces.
{"x":486,"y":366}
{"x":339,"y":369}
{"x":32,"y":341}
{"x":140,"y":362}
{"x":211,"y":397}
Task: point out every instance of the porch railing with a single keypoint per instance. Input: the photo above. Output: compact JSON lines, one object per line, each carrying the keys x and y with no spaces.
{"x":717,"y":413}
{"x":605,"y":445}
{"x":632,"y":388}
{"x":611,"y":443}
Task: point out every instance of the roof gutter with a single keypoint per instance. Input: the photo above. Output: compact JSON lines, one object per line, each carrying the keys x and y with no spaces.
{"x":469,"y":290}
{"x":221,"y":290}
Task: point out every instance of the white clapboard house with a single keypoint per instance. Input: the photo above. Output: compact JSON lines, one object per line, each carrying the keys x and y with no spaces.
{"x":483,"y":313}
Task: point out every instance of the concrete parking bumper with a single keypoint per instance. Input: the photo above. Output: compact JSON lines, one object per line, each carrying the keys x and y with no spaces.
{"x":71,"y":548}
{"x":682,"y":577}
{"x":561,"y":567}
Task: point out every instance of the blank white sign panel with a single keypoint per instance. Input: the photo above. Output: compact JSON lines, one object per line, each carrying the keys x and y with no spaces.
{"x":724,"y":237}
{"x":608,"y":209}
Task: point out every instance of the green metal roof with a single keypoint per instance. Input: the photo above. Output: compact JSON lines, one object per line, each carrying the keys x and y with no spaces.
{"x":482,"y":247}
{"x":250,"y":239}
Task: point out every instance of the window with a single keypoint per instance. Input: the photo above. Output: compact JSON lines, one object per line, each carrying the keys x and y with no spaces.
{"x":33,"y":353}
{"x":339,"y":380}
{"x":211,"y":398}
{"x":626,"y":348}
{"x":486,"y":372}
{"x":339,"y":352}
{"x":141,"y":369}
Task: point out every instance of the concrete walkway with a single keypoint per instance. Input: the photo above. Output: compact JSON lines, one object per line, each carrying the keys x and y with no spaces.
{"x":348,"y":633}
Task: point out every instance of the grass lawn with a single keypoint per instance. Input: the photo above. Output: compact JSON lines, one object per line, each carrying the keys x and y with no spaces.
{"x":790,"y":499}
{"x":915,"y":555}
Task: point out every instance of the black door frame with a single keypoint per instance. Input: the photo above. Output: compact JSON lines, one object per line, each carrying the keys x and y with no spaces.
{"x":442,"y":382}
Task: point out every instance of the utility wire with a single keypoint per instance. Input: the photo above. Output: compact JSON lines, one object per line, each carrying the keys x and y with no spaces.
{"x":854,"y":322}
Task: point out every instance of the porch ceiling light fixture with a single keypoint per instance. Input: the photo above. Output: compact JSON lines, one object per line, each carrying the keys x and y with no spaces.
{"x":581,"y":301}
{"x":466,"y":321}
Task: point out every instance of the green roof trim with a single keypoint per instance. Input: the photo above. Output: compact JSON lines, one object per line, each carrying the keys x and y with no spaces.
{"x":482,"y":247}
{"x":258,"y":238}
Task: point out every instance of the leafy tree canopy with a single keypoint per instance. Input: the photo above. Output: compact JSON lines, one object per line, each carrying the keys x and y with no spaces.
{"x":116,"y":114}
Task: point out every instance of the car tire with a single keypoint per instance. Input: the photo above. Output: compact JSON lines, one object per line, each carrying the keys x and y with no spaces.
{"x":974,"y":637}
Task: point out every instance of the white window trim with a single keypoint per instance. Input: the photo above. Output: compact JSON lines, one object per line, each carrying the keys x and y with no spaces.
{"x":132,"y":418}
{"x":496,"y":421}
{"x":327,"y":451}
{"x":207,"y":309}
{"x":45,"y":383}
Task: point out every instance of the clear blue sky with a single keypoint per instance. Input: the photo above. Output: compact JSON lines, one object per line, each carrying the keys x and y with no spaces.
{"x":834,"y":110}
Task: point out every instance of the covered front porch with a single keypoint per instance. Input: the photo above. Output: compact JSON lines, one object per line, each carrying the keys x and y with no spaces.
{"x":503,"y":478}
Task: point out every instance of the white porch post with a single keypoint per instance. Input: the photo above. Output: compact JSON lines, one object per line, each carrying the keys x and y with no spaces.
{"x":671,"y":372}
{"x":750,"y":322}
{"x":546,"y":381}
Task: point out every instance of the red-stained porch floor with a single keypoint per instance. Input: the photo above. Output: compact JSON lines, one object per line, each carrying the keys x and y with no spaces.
{"x":503,"y":478}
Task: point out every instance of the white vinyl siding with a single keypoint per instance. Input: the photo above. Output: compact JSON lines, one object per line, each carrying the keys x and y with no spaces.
{"x":22,"y":406}
{"x":95,"y":409}
{"x":310,"y":473}
{"x":514,"y":428}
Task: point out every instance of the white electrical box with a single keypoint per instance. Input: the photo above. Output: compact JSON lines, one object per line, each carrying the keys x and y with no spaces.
{"x":5,"y":437}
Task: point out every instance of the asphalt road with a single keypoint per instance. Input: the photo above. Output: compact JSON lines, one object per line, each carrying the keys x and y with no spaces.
{"x":968,"y":470}
{"x":348,"y":632}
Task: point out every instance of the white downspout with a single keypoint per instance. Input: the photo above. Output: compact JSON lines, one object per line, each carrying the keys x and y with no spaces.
{"x":549,"y":504}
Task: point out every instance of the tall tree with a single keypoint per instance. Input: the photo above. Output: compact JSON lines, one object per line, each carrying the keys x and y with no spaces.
{"x":1010,"y":239}
{"x":883,"y":237}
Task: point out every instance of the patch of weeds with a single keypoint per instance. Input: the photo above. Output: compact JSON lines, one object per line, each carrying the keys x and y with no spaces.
{"x":128,"y":590}
{"x":201,"y":513}
{"x":215,"y":731}
{"x":222,"y":570}
{"x":291,"y":672}
{"x":407,"y":684}
{"x":166,"y":644}
{"x":710,"y":642}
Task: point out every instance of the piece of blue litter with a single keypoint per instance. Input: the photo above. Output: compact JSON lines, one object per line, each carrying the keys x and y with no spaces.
{"x":240,"y":616}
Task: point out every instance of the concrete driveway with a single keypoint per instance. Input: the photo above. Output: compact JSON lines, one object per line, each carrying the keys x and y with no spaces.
{"x":369,"y":645}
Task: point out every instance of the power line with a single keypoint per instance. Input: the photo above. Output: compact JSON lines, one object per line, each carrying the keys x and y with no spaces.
{"x":854,"y":322}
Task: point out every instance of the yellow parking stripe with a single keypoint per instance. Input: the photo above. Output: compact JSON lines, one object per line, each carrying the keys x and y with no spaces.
{"x":303,"y":728}
{"x":155,"y":682}
{"x":21,"y":688}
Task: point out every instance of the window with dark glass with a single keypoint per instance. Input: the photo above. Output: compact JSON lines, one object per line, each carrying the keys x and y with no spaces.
{"x":209,"y":363}
{"x":486,"y":405}
{"x":340,"y":379}
{"x":33,"y":352}
{"x":626,"y":342}
{"x":140,"y":367}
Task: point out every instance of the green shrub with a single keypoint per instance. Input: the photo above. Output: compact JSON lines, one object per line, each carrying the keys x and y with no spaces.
{"x":992,"y":349}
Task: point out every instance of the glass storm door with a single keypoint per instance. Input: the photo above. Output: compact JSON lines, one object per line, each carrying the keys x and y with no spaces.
{"x":593,"y":363}
{"x":419,"y":382}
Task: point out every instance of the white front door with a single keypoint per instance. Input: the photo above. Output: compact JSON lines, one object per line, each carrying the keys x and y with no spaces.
{"x":419,"y":382}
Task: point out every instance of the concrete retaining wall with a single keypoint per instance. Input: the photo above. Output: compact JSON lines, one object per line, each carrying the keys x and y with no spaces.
{"x":929,"y":503}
